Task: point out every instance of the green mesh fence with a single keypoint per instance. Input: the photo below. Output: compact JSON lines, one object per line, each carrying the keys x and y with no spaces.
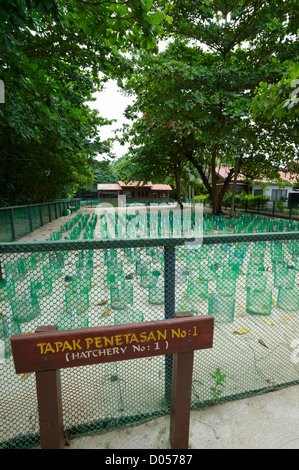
{"x":18,"y":221}
{"x":5,"y":224}
{"x":243,"y":271}
{"x":21,"y":221}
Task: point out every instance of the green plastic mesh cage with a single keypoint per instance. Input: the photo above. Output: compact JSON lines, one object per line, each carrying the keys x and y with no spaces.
{"x":145,"y":269}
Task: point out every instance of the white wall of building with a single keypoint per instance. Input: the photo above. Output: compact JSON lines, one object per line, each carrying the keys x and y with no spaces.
{"x":268,"y":190}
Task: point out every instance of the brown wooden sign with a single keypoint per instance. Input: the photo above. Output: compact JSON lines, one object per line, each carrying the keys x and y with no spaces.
{"x":51,"y":350}
{"x":47,"y":351}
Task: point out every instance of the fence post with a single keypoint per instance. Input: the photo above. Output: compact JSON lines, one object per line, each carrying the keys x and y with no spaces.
{"x":169,"y":296}
{"x":30,"y":219}
{"x":48,"y":387}
{"x":273,"y":209}
{"x":181,"y":396}
{"x":41,"y":215}
{"x":12,"y":224}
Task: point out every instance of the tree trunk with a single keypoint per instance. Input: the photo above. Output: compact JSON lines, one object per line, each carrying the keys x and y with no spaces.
{"x":177,"y":174}
{"x":216,"y":198}
{"x":232,"y":209}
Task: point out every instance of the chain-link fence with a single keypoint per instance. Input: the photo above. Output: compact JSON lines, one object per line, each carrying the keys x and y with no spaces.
{"x":248,"y":281}
{"x":18,"y":221}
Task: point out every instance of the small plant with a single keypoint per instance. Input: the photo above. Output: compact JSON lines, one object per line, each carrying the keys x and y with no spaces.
{"x":220,"y":382}
{"x":162,"y":432}
{"x":280,"y":206}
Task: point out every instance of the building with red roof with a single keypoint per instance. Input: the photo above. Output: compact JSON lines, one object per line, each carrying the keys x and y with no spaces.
{"x":134,"y":190}
{"x":260,"y":186}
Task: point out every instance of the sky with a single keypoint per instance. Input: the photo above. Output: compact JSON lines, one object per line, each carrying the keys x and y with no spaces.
{"x":111,"y":104}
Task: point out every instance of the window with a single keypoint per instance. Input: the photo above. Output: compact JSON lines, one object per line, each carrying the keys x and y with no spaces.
{"x":279,"y":194}
{"x":258,"y":192}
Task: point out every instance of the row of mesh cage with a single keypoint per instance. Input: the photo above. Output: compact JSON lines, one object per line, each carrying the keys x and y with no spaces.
{"x":247,"y":281}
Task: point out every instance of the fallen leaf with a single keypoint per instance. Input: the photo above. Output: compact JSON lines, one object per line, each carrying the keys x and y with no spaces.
{"x":106,"y":313}
{"x":288,"y":317}
{"x":268,"y":321}
{"x":103,"y":302}
{"x":262,"y":343}
{"x":25,"y":376}
{"x":241,"y":331}
{"x":241,"y":306}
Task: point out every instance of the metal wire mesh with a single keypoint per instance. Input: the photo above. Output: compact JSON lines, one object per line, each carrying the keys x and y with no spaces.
{"x":18,"y":221}
{"x":146,"y":272}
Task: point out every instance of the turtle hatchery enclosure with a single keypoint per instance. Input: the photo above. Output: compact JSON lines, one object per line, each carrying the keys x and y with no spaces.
{"x":95,"y":267}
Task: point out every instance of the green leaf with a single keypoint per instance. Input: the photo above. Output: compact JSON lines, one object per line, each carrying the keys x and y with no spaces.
{"x":155,"y":18}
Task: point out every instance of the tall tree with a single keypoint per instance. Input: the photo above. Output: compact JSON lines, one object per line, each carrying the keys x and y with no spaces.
{"x":201,"y":88}
{"x":53,"y":56}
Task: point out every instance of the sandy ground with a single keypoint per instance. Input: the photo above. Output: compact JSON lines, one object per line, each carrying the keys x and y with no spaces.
{"x":268,"y":421}
{"x":263,"y":421}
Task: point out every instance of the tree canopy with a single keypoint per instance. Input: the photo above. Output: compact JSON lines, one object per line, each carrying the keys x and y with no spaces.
{"x":281,"y":99}
{"x":53,"y":56}
{"x":199,"y":91}
{"x":222,"y":89}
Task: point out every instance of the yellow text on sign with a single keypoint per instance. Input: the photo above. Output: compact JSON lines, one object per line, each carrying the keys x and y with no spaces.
{"x":114,"y":340}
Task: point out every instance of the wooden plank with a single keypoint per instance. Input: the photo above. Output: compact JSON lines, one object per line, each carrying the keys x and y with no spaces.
{"x":51,"y":350}
{"x":181,"y":400}
{"x":181,"y":396}
{"x":48,"y":389}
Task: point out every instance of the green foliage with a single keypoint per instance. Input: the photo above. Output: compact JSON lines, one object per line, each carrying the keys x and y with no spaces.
{"x":201,"y":198}
{"x":280,"y":206}
{"x":195,"y":97}
{"x":243,"y":199}
{"x":103,"y":172}
{"x":53,"y":56}
{"x":219,"y":384}
{"x":280,"y":99}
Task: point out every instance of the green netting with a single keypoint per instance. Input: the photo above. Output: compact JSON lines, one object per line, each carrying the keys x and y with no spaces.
{"x":5,"y":224}
{"x":18,"y":221}
{"x":21,"y":221}
{"x":36,"y":218}
{"x":246,"y":278}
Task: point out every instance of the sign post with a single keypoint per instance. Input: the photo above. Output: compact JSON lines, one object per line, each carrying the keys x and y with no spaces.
{"x":47,"y":351}
{"x":48,"y":389}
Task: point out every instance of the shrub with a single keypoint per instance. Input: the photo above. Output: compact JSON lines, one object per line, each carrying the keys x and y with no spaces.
{"x":201,"y":198}
{"x":243,"y":198}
